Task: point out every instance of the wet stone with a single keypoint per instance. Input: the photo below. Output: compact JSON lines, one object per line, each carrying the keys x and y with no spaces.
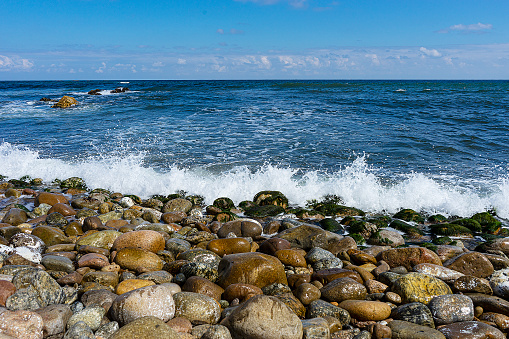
{"x":58,"y":263}
{"x":316,"y":328}
{"x":451,"y":308}
{"x":322,"y":308}
{"x":417,"y":287}
{"x":79,"y":330}
{"x":407,"y":330}
{"x":197,"y":308}
{"x":416,"y":313}
{"x":471,"y":284}
{"x":343,"y":289}
{"x":92,"y":316}
{"x":54,"y":318}
{"x":35,"y":289}
{"x":471,"y":329}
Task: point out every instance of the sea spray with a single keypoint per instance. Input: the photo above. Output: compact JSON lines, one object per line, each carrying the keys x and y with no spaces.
{"x":358,"y":184}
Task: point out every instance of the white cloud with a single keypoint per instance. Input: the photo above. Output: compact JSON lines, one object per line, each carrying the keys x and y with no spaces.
{"x":374,"y":59}
{"x":265,"y":62}
{"x":102,"y":68}
{"x":158,"y":64}
{"x":473,"y":28}
{"x":15,"y":63}
{"x":430,"y":52}
{"x":181,"y":61}
{"x":220,"y":31}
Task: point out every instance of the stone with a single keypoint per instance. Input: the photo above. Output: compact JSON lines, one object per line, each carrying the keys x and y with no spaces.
{"x":417,"y":287}
{"x":307,"y":293}
{"x":499,"y":262}
{"x":451,"y":308}
{"x":158,"y":277}
{"x":386,"y":237}
{"x":154,"y":301}
{"x":87,"y":202}
{"x":173,"y":217}
{"x":204,"y":270}
{"x":471,"y":263}
{"x":274,"y":244}
{"x":64,"y":209}
{"x":54,"y":319}
{"x":240,"y":291}
{"x":308,"y":236}
{"x":7,"y":289}
{"x":438,"y":271}
{"x":241,"y":228}
{"x":291,"y":257}
{"x":343,"y":289}
{"x":250,"y":268}
{"x":408,"y":257}
{"x":490,"y":303}
{"x":15,"y":217}
{"x":131,"y":284}
{"x":180,"y":325}
{"x":502,"y":321}
{"x":366,"y":310}
{"x":93,"y":260}
{"x":58,"y":263}
{"x":316,"y":328}
{"x":50,"y":235}
{"x":80,"y":330}
{"x":471,"y":284}
{"x":177,"y":205}
{"x":374,"y":286}
{"x":197,"y":308}
{"x":101,"y":239}
{"x":107,"y":330}
{"x":147,"y":327}
{"x":108,"y":279}
{"x":21,"y":324}
{"x":322,"y":308}
{"x":199,"y":255}
{"x":145,"y":239}
{"x":138,"y":260}
{"x":471,"y":329}
{"x":293,"y":303}
{"x":50,"y":199}
{"x":263,"y":315}
{"x":92,"y":316}
{"x":229,"y":246}
{"x":406,"y":330}
{"x":102,"y":297}
{"x":65,"y":102}
{"x":28,"y":240}
{"x":499,"y":282}
{"x":203,"y":286}
{"x":327,"y":275}
{"x":34,"y":289}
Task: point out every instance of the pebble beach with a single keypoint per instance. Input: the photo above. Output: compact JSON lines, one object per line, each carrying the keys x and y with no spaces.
{"x":81,"y":262}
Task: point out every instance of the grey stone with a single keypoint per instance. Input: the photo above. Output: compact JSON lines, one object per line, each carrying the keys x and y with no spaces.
{"x":451,"y":308}
{"x":416,"y":313}
{"x":80,"y":330}
{"x":197,"y":308}
{"x":92,"y":316}
{"x":58,"y":263}
{"x":322,"y":308}
{"x":54,"y":318}
{"x":316,"y":328}
{"x":407,"y":330}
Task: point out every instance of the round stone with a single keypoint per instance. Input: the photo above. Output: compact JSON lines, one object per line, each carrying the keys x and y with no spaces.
{"x":307,"y":293}
{"x":197,"y":308}
{"x":132,"y":284}
{"x":417,"y":287}
{"x":343,"y":289}
{"x":149,"y":240}
{"x":366,"y":310}
{"x":138,"y":260}
{"x":451,"y":308}
{"x":229,"y":246}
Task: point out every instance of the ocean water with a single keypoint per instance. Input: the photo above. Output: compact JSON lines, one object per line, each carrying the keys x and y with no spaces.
{"x":434,"y":146}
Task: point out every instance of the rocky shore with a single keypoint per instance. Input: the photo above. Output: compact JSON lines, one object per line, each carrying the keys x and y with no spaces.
{"x":81,"y":263}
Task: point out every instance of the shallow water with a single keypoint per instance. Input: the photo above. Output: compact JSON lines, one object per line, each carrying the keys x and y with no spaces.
{"x":435,"y":146}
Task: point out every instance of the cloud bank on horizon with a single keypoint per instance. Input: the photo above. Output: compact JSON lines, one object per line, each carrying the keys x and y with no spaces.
{"x":254,"y":39}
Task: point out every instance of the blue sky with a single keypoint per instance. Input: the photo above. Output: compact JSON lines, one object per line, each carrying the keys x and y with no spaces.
{"x":253,"y":39}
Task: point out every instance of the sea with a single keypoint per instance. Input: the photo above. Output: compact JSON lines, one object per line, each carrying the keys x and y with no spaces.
{"x":432,"y":146}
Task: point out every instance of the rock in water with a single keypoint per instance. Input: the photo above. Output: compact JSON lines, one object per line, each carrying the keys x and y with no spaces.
{"x":65,"y":102}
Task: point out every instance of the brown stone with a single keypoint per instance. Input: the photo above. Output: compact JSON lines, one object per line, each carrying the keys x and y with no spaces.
{"x":272,"y":245}
{"x":330,"y":274}
{"x":241,"y":228}
{"x":251,"y":268}
{"x":409,"y":257}
{"x":471,"y":284}
{"x":71,"y":279}
{"x":6,"y":290}
{"x":15,"y":217}
{"x":295,"y":280}
{"x":308,"y":236}
{"x":50,"y":235}
{"x":173,"y":217}
{"x":375,"y":286}
{"x":109,"y":279}
{"x":366,"y":310}
{"x":63,"y":209}
{"x":203,"y":286}
{"x":180,"y":325}
{"x":50,"y":199}
{"x":92,"y":223}
{"x":240,"y":291}
{"x":359,"y":257}
{"x":291,"y":257}
{"x":93,"y":260}
{"x":229,"y":246}
{"x":132,"y":284}
{"x":307,"y":293}
{"x":21,"y":324}
{"x":471,"y":263}
{"x":145,"y":239}
{"x":65,"y":102}
{"x":342,"y":289}
{"x":502,"y":321}
{"x":116,"y":223}
{"x":471,"y":329}
{"x":138,"y":260}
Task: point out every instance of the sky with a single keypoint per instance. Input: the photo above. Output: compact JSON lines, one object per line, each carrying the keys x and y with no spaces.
{"x":253,"y":39}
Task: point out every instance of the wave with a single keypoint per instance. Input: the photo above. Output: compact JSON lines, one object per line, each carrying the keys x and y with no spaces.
{"x":357,"y":184}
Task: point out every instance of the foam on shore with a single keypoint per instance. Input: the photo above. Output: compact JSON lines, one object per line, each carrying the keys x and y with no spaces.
{"x":357,"y":183}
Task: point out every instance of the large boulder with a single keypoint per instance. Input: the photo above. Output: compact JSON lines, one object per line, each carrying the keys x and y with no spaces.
{"x":408,"y":257}
{"x":65,"y":102}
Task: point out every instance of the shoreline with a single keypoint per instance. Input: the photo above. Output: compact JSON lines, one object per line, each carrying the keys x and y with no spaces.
{"x":117,"y":266}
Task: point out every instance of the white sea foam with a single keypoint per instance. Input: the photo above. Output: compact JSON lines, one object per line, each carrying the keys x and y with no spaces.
{"x":357,"y":184}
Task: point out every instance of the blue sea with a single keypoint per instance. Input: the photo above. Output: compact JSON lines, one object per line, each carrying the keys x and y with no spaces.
{"x":433,"y":146}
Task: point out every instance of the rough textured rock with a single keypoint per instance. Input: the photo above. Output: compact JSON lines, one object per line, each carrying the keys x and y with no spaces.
{"x":146,"y":328}
{"x":34,"y":289}
{"x":54,"y":318}
{"x":406,"y":330}
{"x":409,"y":257}
{"x":490,"y":303}
{"x":451,"y":308}
{"x":197,"y":308}
{"x":316,"y":328}
{"x":437,"y":271}
{"x":417,"y":287}
{"x":264,"y":314}
{"x":499,"y":282}
{"x":322,"y":308}
{"x":21,"y":324}
{"x":65,"y":102}
{"x":250,"y":268}
{"x":471,"y":284}
{"x":92,"y":316}
{"x":416,"y":313}
{"x":154,"y":300}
